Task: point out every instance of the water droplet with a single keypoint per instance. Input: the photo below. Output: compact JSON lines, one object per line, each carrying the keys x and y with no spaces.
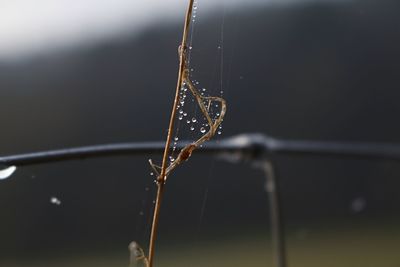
{"x":154,"y":202}
{"x":7,"y":172}
{"x":190,"y":47}
{"x":185,"y":89}
{"x":191,"y":69}
{"x":188,"y":121}
{"x":171,"y":159}
{"x":152,"y":173}
{"x":194,"y":7}
{"x":180,"y":117}
{"x":180,"y":111}
{"x":194,"y":119}
{"x":197,"y":83}
{"x":358,"y":204}
{"x":219,"y":132}
{"x":202,"y":130}
{"x":204,"y":89}
{"x":55,"y":201}
{"x":176,"y":138}
{"x":192,"y":128}
{"x":185,"y":114}
{"x":218,"y":114}
{"x":219,"y":47}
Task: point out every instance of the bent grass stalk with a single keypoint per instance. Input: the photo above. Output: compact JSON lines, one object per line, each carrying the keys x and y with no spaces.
{"x":164,"y":171}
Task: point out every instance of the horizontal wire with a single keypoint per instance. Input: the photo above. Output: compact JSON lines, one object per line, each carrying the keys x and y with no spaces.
{"x":252,"y":146}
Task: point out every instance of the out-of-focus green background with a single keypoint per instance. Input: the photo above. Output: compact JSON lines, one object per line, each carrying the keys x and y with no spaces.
{"x":95,"y":72}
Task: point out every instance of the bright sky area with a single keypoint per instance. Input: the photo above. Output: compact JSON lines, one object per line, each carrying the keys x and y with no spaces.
{"x":38,"y":26}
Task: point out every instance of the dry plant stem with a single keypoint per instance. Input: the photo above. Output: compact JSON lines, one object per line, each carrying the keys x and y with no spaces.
{"x":162,"y":177}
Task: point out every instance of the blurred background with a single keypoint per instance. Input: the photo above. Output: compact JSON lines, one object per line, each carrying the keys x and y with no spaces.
{"x":94,"y":72}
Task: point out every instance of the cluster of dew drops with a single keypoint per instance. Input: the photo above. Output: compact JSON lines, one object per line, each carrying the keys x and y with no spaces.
{"x":194,"y":11}
{"x":193,"y":122}
{"x":183,"y":116}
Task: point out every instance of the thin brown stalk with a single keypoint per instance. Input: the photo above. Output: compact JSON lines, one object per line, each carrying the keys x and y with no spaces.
{"x":204,"y":103}
{"x":162,"y":177}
